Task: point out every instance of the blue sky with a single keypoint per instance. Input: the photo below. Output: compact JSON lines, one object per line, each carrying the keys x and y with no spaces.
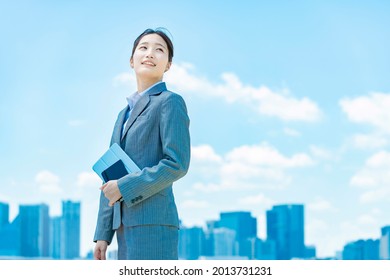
{"x":288,"y":100}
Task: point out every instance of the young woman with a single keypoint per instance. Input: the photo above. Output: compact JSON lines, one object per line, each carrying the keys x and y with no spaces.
{"x":153,"y":130}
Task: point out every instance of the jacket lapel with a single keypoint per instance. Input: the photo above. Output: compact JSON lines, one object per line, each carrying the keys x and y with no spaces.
{"x":141,"y":105}
{"x":116,"y":135}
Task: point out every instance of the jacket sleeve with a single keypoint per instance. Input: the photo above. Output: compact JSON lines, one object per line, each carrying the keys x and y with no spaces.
{"x":175,"y":141}
{"x":104,"y":229}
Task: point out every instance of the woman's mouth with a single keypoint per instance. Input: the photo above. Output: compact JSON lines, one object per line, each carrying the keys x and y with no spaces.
{"x":148,"y":63}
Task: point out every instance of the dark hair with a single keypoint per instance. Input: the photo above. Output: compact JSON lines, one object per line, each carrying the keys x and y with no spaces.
{"x":163,"y":34}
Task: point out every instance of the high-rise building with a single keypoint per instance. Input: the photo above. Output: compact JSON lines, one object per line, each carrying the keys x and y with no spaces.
{"x":361,"y":250}
{"x":242,"y":222}
{"x":244,"y":226}
{"x":310,"y":252}
{"x":384,"y":243}
{"x":225,"y":244}
{"x":191,"y":243}
{"x":34,"y":230}
{"x":285,"y":226}
{"x":33,"y":234}
{"x":265,"y":249}
{"x":4,"y":215}
{"x":208,"y":247}
{"x":9,"y":232}
{"x":55,"y":237}
{"x":70,"y":233}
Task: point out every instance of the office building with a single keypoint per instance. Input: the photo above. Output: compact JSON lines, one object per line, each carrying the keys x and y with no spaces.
{"x":265,"y":249}
{"x":244,"y":226}
{"x":310,"y":252}
{"x":10,"y":239}
{"x":384,"y":243}
{"x":33,"y":234}
{"x":361,"y":250}
{"x":70,"y":232}
{"x":34,"y":231}
{"x":55,"y":237}
{"x":4,"y":215}
{"x":225,"y":244}
{"x":285,"y":226}
{"x":191,"y":243}
{"x":208,"y":247}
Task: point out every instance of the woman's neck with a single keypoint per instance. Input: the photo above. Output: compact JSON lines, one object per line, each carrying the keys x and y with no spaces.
{"x":143,"y":85}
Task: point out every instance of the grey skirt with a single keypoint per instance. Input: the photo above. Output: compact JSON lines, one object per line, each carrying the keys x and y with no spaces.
{"x":147,"y":242}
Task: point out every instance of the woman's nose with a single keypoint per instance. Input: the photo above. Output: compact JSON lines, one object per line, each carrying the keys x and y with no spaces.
{"x":150,"y":53}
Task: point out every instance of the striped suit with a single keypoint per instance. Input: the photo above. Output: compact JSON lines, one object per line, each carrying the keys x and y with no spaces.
{"x":157,"y":138}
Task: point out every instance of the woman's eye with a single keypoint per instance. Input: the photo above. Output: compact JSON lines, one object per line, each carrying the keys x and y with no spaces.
{"x":142,"y":48}
{"x":160,"y":49}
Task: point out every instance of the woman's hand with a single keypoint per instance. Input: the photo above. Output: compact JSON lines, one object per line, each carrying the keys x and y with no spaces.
{"x":111,"y":191}
{"x":100,"y":250}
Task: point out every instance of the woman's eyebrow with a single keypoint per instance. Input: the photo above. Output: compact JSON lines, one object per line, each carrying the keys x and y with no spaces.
{"x":157,"y":44}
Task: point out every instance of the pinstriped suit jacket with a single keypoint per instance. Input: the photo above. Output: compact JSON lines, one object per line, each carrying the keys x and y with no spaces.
{"x":157,"y":138}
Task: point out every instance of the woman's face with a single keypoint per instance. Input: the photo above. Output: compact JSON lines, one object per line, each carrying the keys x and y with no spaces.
{"x":150,"y":58}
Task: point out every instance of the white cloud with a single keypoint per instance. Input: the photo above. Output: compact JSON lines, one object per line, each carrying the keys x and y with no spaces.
{"x":263,"y":100}
{"x":316,"y":226}
{"x":291,"y":132}
{"x":374,"y":196}
{"x":266,"y":155}
{"x":320,"y":205}
{"x":194,"y":204}
{"x":48,"y":182}
{"x":364,"y":226}
{"x":4,"y":197}
{"x":372,"y":110}
{"x":239,"y":175}
{"x":88,"y":180}
{"x":374,"y":178}
{"x":368,"y":220}
{"x":363,"y":179}
{"x":379,"y":160}
{"x":321,"y":153}
{"x":205,"y":153}
{"x":244,"y":167}
{"x":208,"y":187}
{"x":259,"y":199}
{"x":369,"y":141}
{"x":127,"y":78}
{"x":375,"y":172}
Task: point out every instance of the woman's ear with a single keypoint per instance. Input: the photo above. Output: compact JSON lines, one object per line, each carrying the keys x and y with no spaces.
{"x":131,"y":62}
{"x":168,"y":66}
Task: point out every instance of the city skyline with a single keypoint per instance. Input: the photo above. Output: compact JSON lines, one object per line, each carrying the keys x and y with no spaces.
{"x":288,"y":103}
{"x":33,"y":233}
{"x":234,"y":235}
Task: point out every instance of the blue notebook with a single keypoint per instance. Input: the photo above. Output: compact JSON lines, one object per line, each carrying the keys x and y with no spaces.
{"x":114,"y":164}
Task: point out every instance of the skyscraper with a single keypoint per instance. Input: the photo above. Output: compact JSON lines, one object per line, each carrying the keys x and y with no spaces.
{"x":34,"y":230}
{"x":4,"y":215}
{"x":242,"y":222}
{"x":9,"y":233}
{"x":384,"y":243}
{"x":285,"y":226}
{"x":265,"y":249}
{"x":224,"y":242}
{"x":208,"y":248}
{"x":191,"y":243}
{"x":55,"y":237}
{"x":70,"y":233}
{"x":361,"y":250}
{"x":244,"y":226}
